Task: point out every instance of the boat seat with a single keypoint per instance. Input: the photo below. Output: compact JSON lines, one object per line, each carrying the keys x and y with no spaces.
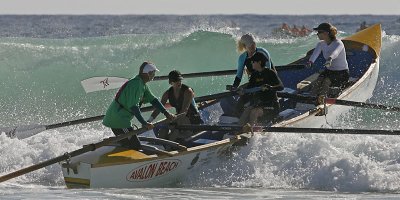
{"x":289,"y":90}
{"x":163,"y":142}
{"x":204,"y":141}
{"x":301,"y":107}
{"x":288,"y":113}
{"x":148,"y":149}
{"x":305,"y":85}
{"x":205,"y":137}
{"x":224,"y":119}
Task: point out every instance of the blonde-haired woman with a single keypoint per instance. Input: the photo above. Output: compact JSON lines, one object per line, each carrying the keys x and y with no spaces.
{"x":336,"y":71}
{"x":247,"y":45}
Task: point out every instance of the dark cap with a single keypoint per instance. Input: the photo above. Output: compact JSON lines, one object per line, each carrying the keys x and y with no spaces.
{"x":258,"y":56}
{"x":174,"y":76}
{"x":324,"y":27}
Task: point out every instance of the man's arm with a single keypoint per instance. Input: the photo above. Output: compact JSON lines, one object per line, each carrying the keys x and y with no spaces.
{"x":187,"y":100}
{"x":156,"y":112}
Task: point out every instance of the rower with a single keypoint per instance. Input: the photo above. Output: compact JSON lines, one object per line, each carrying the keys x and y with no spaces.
{"x":126,"y":105}
{"x":336,"y":72}
{"x":181,"y":97}
{"x":265,"y":103}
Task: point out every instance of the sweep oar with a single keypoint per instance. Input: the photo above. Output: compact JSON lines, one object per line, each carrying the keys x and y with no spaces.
{"x":312,"y":99}
{"x":84,"y":149}
{"x":236,"y":128}
{"x":99,"y":83}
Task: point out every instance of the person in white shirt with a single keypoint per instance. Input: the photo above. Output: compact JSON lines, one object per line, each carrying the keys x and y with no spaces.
{"x":336,"y":71}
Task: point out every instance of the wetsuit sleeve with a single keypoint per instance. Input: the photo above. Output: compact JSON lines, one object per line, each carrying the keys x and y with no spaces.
{"x":157,"y":104}
{"x":136,"y":111}
{"x":148,"y":96}
{"x":276,"y":83}
{"x":164,"y":99}
{"x":236,"y":83}
{"x":240,"y":68}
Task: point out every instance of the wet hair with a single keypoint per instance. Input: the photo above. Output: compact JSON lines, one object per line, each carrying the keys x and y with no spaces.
{"x":258,"y":56}
{"x":245,"y":41}
{"x":174,"y":76}
{"x":240,"y":47}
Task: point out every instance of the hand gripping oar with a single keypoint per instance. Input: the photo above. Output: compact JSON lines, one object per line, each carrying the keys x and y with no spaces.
{"x":237,"y":128}
{"x":84,"y":149}
{"x":100,"y":83}
{"x":312,"y":99}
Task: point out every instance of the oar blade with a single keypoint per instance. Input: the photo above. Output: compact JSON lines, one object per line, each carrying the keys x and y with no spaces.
{"x":22,"y":132}
{"x":102,"y":83}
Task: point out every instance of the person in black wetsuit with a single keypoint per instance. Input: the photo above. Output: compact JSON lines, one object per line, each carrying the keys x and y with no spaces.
{"x":264,"y":103}
{"x":181,"y":97}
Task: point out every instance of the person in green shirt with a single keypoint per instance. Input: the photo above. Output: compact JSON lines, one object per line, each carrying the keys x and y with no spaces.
{"x":127,"y":102}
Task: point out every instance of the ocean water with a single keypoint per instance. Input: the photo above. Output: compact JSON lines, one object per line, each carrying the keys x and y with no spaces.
{"x":44,"y":58}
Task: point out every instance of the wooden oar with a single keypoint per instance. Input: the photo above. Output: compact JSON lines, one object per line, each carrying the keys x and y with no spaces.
{"x":312,"y":99}
{"x":235,"y":128}
{"x":100,"y":83}
{"x":25,"y":131}
{"x":361,"y":104}
{"x":230,"y":72}
{"x":84,"y":149}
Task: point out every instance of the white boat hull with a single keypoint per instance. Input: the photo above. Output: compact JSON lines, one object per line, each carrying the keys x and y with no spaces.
{"x":152,"y":171}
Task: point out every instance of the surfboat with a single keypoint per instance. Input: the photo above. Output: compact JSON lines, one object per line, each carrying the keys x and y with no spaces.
{"x":162,"y":162}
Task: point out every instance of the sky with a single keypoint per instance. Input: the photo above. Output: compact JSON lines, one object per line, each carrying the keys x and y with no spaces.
{"x":187,"y":7}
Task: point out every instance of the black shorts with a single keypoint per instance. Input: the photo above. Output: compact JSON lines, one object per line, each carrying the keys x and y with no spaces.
{"x":338,"y":78}
{"x":131,"y":142}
